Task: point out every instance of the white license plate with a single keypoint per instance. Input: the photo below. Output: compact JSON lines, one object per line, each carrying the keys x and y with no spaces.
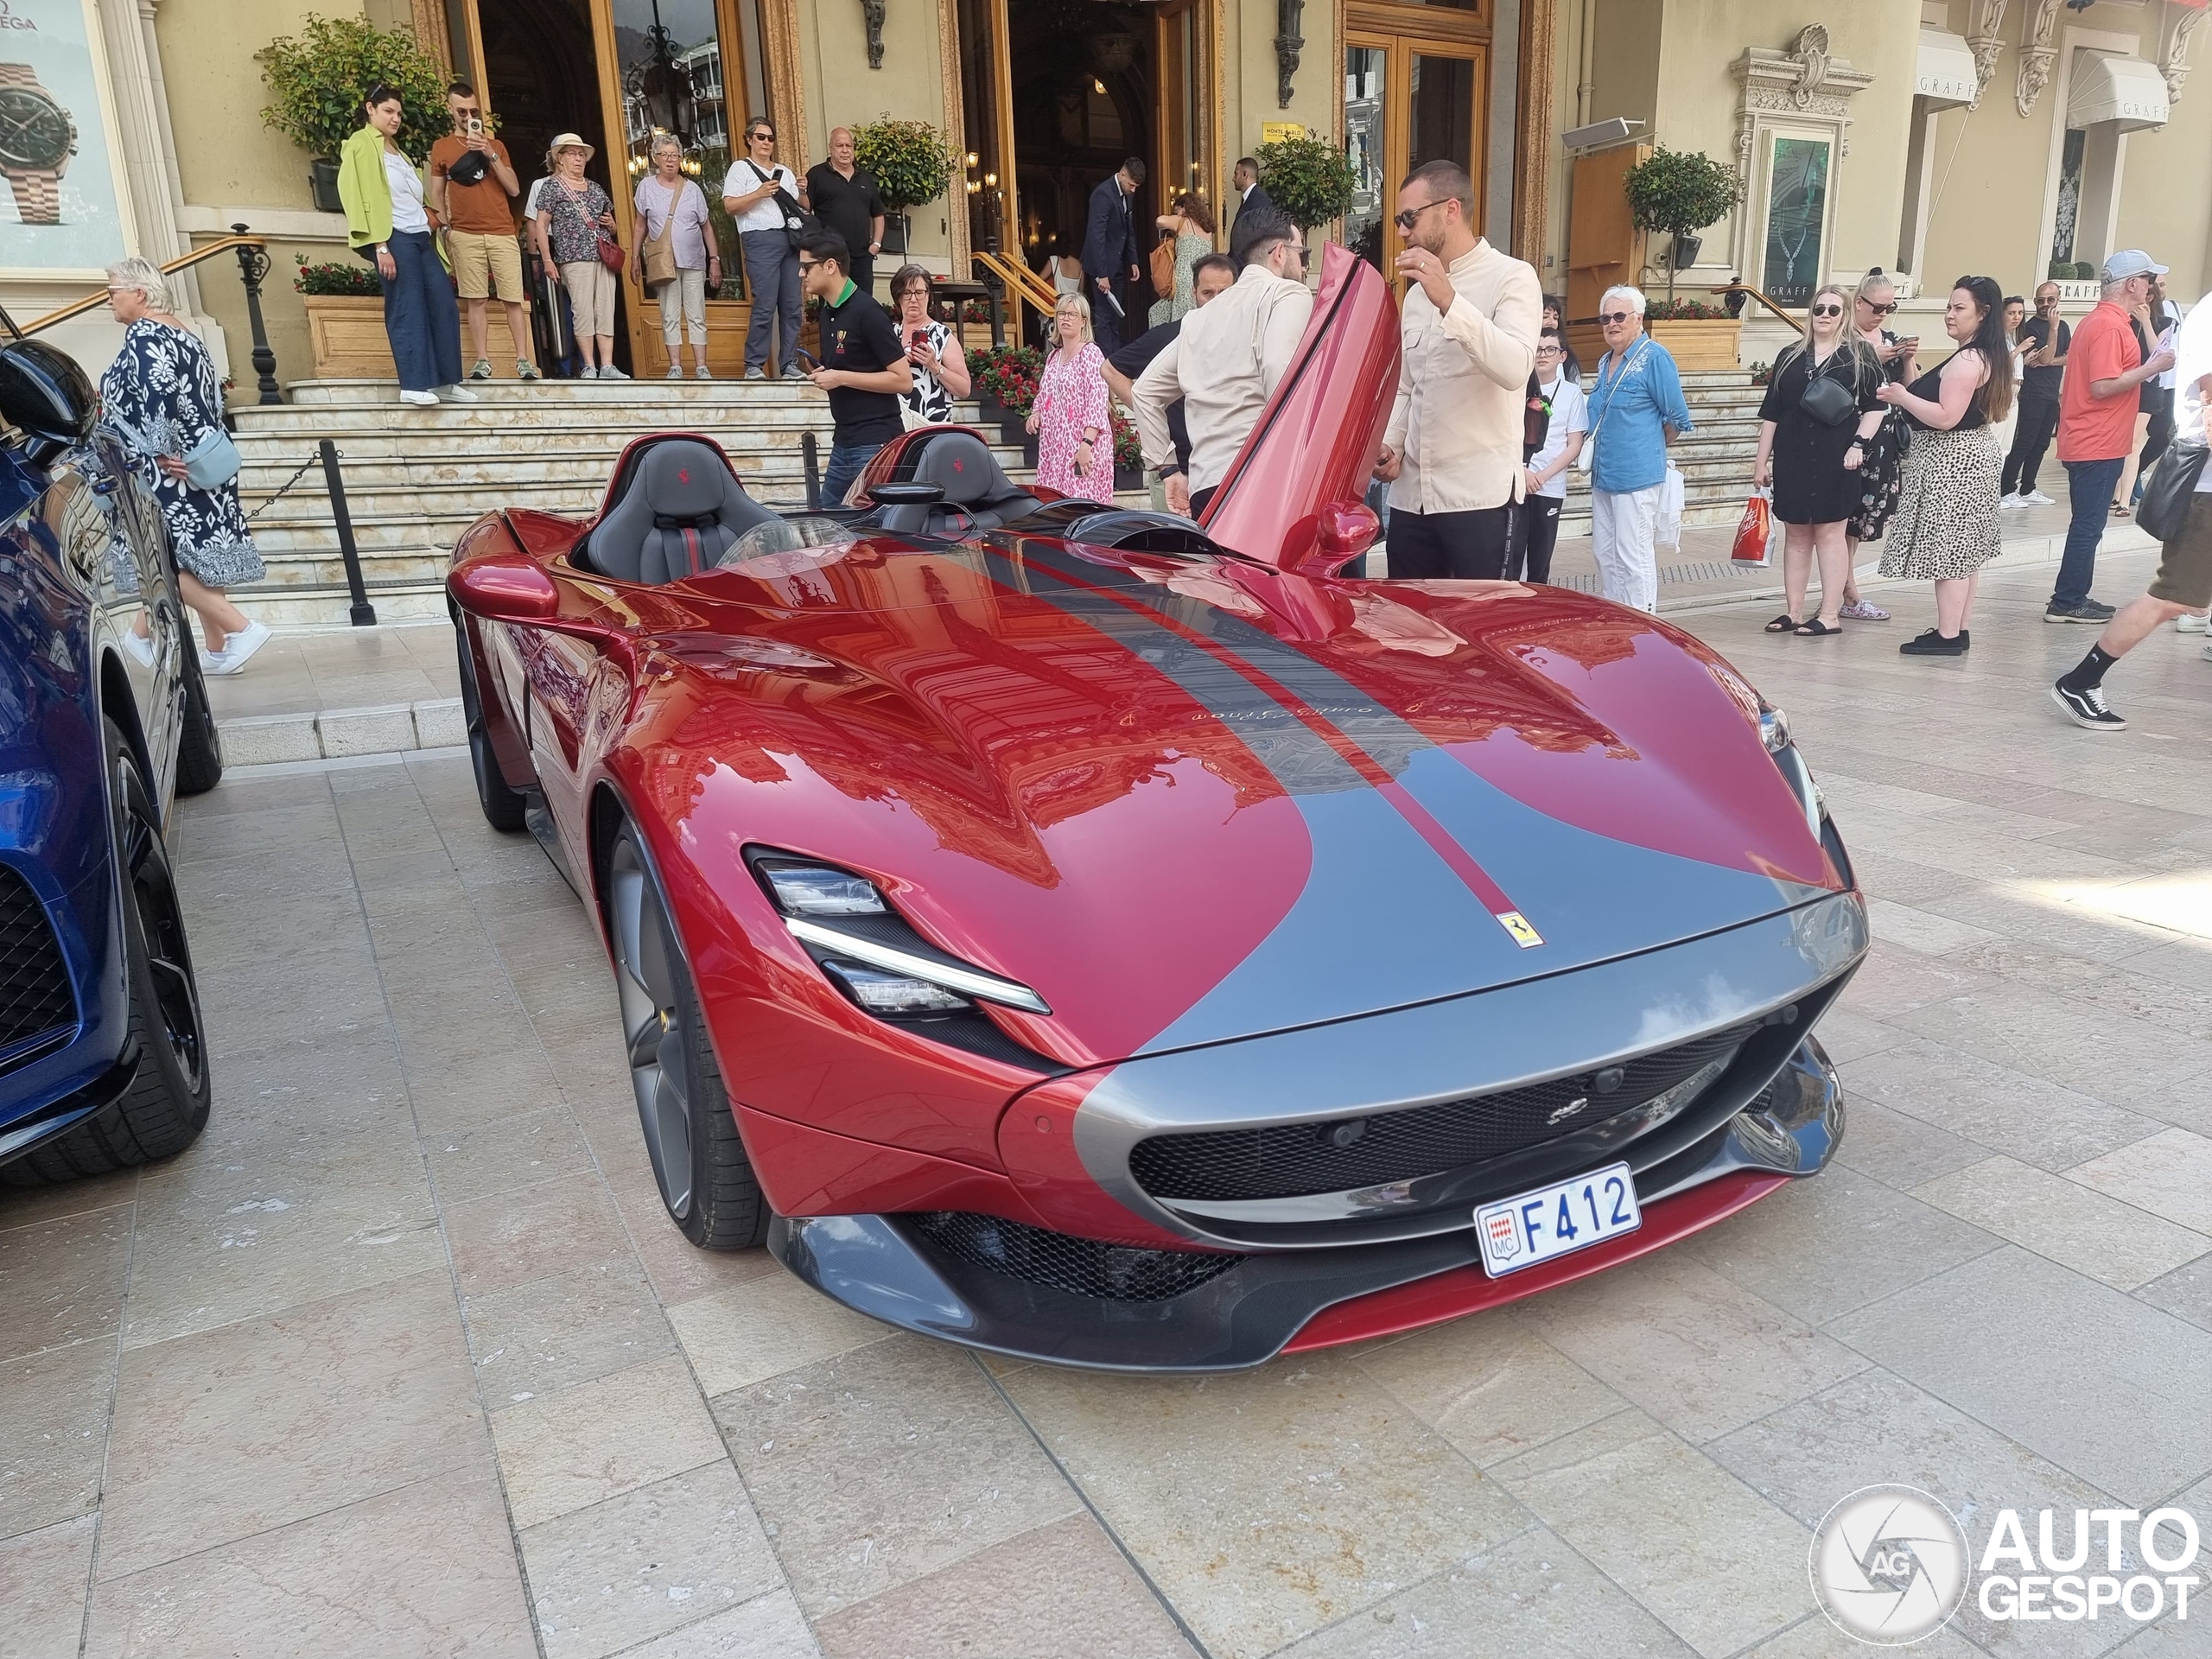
{"x":1557,"y":1220}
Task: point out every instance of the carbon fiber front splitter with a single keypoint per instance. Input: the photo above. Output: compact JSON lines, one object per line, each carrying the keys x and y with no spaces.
{"x":876,"y":1266}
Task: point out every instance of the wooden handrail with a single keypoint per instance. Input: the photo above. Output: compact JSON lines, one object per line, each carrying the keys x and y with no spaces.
{"x":1023,"y":285}
{"x":99,"y":295}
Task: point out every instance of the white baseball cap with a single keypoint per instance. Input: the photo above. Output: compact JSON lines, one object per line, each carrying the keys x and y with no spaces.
{"x":2131,"y":262}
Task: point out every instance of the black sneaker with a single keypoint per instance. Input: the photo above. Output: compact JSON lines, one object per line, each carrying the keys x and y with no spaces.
{"x":1932,"y":644}
{"x":2082,"y":610}
{"x":2086,"y":708}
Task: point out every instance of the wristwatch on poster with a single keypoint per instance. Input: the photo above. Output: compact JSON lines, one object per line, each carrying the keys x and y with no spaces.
{"x":37,"y":138}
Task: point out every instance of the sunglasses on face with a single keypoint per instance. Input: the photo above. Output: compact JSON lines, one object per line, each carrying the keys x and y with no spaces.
{"x":805,"y":265}
{"x":759,"y":137}
{"x":1879,"y":310}
{"x":1615,"y":316}
{"x":1411,"y":217}
{"x":1828,"y":310}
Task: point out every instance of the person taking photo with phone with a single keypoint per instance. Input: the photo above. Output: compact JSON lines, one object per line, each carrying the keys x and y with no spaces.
{"x":473,"y":188}
{"x":863,"y":364}
{"x":933,"y":353}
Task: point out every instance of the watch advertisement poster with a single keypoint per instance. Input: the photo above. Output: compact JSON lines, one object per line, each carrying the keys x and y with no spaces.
{"x":58,"y":208}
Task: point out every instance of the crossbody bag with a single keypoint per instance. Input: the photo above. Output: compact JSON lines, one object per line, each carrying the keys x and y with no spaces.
{"x":210,"y":463}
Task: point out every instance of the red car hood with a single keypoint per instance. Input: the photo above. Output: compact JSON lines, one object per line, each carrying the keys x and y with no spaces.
{"x":1188,"y":801}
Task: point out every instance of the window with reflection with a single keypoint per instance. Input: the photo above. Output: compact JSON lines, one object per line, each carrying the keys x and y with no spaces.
{"x":673,"y":81}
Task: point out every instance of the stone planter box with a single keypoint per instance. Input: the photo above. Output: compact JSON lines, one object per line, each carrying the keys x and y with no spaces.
{"x":1696,"y":344}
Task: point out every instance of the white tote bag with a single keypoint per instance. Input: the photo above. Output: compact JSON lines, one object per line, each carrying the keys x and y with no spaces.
{"x":1668,"y":530}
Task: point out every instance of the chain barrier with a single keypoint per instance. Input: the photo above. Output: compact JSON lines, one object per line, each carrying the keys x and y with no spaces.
{"x":284,"y":489}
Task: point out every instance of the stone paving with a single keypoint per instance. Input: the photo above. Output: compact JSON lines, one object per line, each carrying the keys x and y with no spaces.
{"x":402,"y":1359}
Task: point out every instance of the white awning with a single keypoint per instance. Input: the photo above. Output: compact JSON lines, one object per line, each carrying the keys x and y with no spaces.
{"x":1944,"y":74}
{"x":2110,"y":87}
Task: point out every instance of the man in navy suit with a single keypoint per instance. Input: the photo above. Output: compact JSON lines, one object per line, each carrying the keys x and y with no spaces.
{"x":1250,"y":197}
{"x":1109,"y":250}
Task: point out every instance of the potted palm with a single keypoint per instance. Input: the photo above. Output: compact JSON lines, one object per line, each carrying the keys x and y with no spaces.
{"x":1677,"y":193}
{"x":912,"y":164}
{"x":317,"y":78}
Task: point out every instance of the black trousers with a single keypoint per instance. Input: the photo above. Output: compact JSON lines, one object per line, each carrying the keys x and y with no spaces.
{"x":1201,"y":498}
{"x":1535,"y":533}
{"x":1455,"y":546}
{"x":2039,"y":424}
{"x":2160,"y":434}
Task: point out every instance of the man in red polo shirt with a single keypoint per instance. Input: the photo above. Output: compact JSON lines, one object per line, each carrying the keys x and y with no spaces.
{"x":2096,"y":424}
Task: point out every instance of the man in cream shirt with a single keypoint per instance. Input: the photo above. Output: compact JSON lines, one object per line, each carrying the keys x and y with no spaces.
{"x":1226,"y":362}
{"x":1452,"y":449}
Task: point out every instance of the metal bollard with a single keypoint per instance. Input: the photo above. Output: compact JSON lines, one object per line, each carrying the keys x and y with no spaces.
{"x":364,"y":613}
{"x":812,"y":452}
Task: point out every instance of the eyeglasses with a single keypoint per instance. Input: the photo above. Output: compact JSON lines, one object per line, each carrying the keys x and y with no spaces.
{"x":1615,"y":316}
{"x":805,"y":265}
{"x":755,"y":137}
{"x":1828,"y":310}
{"x":1411,"y":217}
{"x":1879,"y":310}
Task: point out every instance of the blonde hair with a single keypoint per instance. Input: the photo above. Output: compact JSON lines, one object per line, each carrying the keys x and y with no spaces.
{"x":1080,"y":306}
{"x":1864,"y":364}
{"x":144,"y":275}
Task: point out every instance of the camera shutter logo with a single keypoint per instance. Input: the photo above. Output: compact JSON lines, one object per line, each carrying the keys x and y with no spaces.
{"x":1890,"y":1565}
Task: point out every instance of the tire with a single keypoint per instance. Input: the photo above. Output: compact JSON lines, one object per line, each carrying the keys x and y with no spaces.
{"x":199,"y":748}
{"x":166,"y":1105}
{"x":706,"y":1178}
{"x":502,"y":804}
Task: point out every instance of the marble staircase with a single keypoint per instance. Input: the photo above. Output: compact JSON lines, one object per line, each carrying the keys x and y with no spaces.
{"x":415,"y":478}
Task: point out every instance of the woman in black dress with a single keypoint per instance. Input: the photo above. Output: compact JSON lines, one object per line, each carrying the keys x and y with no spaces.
{"x":1812,"y":455}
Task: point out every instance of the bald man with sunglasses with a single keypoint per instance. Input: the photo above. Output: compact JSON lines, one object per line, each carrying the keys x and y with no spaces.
{"x":1453,"y":454}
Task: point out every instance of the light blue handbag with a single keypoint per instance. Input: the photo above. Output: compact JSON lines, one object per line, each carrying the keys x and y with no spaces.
{"x":208,"y":465}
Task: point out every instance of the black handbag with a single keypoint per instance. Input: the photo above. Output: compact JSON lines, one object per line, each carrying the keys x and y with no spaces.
{"x":1827,"y":400}
{"x":2167,"y":493}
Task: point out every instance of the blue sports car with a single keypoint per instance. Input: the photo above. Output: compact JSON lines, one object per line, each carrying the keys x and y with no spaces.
{"x":103,"y":1060}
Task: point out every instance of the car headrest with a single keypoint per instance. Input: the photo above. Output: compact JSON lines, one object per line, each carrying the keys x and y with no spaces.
{"x":684,"y":479}
{"x":960,"y":464}
{"x":678,"y":511}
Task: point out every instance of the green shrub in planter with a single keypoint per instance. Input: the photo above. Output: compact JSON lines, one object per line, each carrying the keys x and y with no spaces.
{"x":1680,"y":192}
{"x":320,"y":75}
{"x":1310,"y":179}
{"x":911,"y":161}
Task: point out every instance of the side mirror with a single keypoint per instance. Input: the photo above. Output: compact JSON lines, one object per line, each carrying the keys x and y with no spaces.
{"x":45,"y":394}
{"x":1344,"y":532}
{"x":504,"y":588}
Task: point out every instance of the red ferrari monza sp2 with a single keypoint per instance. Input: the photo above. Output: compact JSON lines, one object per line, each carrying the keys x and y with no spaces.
{"x":1119,"y":941}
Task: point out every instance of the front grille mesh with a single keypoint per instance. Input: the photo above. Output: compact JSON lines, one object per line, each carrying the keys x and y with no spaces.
{"x":1292,"y":1160}
{"x":1087,"y":1267}
{"x":34,"y":995}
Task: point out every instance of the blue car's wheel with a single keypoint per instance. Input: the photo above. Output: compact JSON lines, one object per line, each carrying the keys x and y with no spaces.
{"x":166,"y":1105}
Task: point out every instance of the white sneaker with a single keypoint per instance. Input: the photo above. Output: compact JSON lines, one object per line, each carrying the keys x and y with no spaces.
{"x":457,"y":395}
{"x":421,"y":399}
{"x":243,"y":645}
{"x":139,"y":646}
{"x":2189,"y":622}
{"x":675,"y":371}
{"x":610,"y":372}
{"x":2207,"y":654}
{"x":2038,"y":498}
{"x":2007,"y":502}
{"x":588,"y":372}
{"x":704,"y":374}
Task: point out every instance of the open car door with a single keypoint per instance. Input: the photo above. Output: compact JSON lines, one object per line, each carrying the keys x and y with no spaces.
{"x":1305,"y":467}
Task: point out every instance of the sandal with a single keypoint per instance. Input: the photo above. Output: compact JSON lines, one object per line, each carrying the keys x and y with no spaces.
{"x":2118,"y":512}
{"x":1813,"y":628}
{"x":1783,"y":624}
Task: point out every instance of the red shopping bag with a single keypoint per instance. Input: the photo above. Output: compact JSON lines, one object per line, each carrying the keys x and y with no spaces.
{"x":1753,"y":529}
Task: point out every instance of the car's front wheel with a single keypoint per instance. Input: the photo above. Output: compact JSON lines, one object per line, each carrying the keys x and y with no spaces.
{"x":705,"y":1176}
{"x":504,"y":806}
{"x":166,"y":1105}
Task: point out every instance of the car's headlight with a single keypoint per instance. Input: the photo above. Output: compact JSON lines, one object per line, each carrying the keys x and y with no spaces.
{"x":1774,"y":732}
{"x":873,"y":955}
{"x":1774,"y":729}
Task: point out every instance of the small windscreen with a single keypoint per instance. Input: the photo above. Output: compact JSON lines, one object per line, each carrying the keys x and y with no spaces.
{"x":787,"y":546}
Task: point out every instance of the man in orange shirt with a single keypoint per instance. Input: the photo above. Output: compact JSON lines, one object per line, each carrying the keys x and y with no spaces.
{"x":473,"y":186}
{"x":2096,"y":425}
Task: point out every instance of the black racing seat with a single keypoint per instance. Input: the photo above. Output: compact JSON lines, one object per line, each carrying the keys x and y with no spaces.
{"x":682,"y":511}
{"x":978,"y":495}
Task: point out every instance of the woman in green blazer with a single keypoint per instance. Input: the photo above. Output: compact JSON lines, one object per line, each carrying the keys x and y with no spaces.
{"x":385,"y":214}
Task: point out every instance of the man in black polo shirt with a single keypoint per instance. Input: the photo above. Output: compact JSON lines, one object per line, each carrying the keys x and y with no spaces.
{"x":845,"y":199}
{"x":863,"y":367}
{"x":2043,"y":340}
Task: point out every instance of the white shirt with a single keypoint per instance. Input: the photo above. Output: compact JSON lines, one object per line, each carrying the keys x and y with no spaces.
{"x":743,"y":179}
{"x":2168,"y":318}
{"x":1224,"y":363}
{"x":530,"y":202}
{"x":1570,"y":415}
{"x":1462,"y":376}
{"x":406,"y":185}
{"x":2192,"y":363}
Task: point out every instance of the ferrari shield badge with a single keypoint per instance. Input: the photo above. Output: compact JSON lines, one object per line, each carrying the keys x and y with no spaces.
{"x":1518,"y":925}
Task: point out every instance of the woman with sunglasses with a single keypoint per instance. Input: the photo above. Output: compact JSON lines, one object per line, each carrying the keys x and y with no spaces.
{"x":1872,"y":306}
{"x":388,"y":222}
{"x":1818,"y":415}
{"x":1636,"y":409}
{"x":764,"y":197}
{"x":1947,"y":522}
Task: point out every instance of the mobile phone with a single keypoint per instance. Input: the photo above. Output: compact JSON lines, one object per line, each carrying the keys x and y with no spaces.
{"x":806,"y":356}
{"x":475,"y":126}
{"x":917,"y":337}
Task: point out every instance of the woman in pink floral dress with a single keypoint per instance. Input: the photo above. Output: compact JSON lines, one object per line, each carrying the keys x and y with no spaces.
{"x":1074,"y":427}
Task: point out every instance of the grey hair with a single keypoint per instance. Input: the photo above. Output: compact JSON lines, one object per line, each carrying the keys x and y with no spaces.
{"x":666,"y":141}
{"x":144,"y":275}
{"x":1636,"y":302}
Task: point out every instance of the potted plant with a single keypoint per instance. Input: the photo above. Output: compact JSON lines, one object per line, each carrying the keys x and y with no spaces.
{"x":1128,"y":454}
{"x":1698,"y":334}
{"x":1679,"y":192}
{"x":912,"y":164}
{"x":1006,"y":387}
{"x":318,"y":76}
{"x":345,"y":308}
{"x":1310,"y":180}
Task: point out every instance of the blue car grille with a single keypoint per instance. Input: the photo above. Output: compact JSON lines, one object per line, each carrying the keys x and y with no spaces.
{"x":34,"y":994}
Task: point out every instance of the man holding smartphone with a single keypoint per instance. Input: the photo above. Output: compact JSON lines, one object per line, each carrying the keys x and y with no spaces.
{"x":862,"y":365}
{"x":2045,"y":340}
{"x":472,"y":187}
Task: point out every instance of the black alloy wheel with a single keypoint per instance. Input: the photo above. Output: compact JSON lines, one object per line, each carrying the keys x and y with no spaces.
{"x":699,"y":1162}
{"x":166,"y":1106}
{"x":200,"y":749}
{"x":503,"y":806}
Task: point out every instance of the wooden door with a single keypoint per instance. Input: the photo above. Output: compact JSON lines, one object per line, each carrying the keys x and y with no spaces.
{"x":1603,"y":245}
{"x":1409,"y":99}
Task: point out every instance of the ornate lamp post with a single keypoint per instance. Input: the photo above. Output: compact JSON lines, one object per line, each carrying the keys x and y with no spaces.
{"x":1289,"y":16}
{"x":253,"y":265}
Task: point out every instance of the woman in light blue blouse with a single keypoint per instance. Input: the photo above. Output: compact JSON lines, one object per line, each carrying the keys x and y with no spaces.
{"x":1636,"y":411}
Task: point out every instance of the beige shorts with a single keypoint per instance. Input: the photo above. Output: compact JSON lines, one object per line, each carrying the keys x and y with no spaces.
{"x":591,"y":296}
{"x":485,"y":265}
{"x":2185,"y":574}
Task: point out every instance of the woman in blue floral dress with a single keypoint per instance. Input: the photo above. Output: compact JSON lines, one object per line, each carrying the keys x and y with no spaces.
{"x":160,"y":397}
